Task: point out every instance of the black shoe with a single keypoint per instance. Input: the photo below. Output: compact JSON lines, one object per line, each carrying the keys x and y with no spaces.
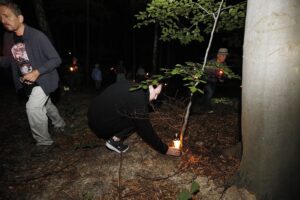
{"x":116,"y":146}
{"x":42,"y":150}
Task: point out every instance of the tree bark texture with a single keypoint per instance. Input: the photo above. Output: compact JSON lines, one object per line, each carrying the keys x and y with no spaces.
{"x":271,"y":99}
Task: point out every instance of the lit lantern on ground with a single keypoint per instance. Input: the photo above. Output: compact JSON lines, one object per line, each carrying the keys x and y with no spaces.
{"x":176,"y":142}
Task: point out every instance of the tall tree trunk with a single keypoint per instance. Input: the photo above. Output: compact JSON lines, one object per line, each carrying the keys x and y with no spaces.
{"x":41,"y":17}
{"x":133,"y":41}
{"x":155,"y":49}
{"x":87,"y":56}
{"x":74,"y":34}
{"x":169,"y":54}
{"x":271,"y":99}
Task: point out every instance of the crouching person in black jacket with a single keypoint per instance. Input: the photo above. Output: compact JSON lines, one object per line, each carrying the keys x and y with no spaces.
{"x":117,"y":112}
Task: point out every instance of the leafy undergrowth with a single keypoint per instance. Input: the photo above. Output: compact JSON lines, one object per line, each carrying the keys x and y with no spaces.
{"x":80,"y":167}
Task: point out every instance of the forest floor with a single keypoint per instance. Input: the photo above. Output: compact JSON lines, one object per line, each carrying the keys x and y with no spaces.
{"x":80,"y":166}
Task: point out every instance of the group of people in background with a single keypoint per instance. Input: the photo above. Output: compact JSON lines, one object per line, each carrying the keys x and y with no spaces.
{"x":118,"y":73}
{"x":113,"y":115}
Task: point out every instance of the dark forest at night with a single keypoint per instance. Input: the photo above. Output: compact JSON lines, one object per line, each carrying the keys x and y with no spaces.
{"x":140,"y":99}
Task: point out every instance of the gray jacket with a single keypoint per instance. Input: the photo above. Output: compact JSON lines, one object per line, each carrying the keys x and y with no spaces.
{"x":42,"y":56}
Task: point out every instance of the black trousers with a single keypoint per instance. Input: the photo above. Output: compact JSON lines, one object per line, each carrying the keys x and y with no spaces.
{"x":120,"y":128}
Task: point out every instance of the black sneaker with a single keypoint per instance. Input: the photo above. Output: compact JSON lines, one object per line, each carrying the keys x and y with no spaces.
{"x":42,"y":150}
{"x":116,"y":146}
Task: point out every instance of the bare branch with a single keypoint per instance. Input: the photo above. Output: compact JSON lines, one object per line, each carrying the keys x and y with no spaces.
{"x":202,"y":8}
{"x":212,"y":35}
{"x":184,"y":126}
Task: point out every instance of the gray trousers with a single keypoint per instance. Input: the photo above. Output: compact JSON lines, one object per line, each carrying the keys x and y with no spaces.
{"x":38,"y":108}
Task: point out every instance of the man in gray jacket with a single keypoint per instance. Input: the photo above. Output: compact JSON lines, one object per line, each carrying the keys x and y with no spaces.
{"x":33,"y":60}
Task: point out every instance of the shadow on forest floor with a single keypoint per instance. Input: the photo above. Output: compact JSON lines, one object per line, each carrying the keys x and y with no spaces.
{"x":80,"y":167}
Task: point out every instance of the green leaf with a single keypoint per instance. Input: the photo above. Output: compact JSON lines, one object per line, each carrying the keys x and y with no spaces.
{"x":145,"y":87}
{"x":181,"y":19}
{"x":175,"y":71}
{"x":134,"y":88}
{"x":193,"y":89}
{"x":184,"y":195}
{"x":195,"y":187}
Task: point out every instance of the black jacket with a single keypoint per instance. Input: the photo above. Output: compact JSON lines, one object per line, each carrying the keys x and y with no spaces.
{"x":117,"y":108}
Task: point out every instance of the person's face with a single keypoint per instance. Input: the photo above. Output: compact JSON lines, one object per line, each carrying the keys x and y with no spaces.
{"x":154,"y":92}
{"x":221,"y":58}
{"x":10,"y":20}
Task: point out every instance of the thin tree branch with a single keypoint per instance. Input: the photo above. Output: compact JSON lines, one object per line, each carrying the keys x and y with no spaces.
{"x":228,"y":7}
{"x":202,"y":8}
{"x":186,"y":118}
{"x":212,"y":35}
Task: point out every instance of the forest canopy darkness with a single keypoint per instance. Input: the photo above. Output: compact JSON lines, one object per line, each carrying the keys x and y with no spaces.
{"x":109,"y":25}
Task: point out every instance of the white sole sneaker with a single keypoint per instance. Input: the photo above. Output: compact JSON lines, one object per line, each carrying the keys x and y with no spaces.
{"x":113,"y":148}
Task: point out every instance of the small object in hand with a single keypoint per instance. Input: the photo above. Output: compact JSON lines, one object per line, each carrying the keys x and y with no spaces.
{"x":22,"y":80}
{"x":219,"y":72}
{"x":172,"y":151}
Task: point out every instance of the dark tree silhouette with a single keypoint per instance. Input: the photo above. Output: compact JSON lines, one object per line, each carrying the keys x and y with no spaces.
{"x":41,"y":18}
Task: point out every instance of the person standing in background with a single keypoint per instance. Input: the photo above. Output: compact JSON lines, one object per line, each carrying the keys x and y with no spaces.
{"x":97,"y":76}
{"x":120,"y":72}
{"x":140,"y":74}
{"x":212,"y":76}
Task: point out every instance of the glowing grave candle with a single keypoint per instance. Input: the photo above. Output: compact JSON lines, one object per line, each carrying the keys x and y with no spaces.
{"x":176,"y":143}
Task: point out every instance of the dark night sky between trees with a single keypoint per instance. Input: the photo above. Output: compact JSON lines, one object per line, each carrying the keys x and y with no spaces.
{"x":111,"y":34}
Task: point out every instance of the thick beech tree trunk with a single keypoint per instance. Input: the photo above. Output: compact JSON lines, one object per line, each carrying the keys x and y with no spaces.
{"x":271,"y":99}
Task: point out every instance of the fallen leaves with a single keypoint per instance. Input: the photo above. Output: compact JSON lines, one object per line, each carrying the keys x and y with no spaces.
{"x":83,"y":167}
